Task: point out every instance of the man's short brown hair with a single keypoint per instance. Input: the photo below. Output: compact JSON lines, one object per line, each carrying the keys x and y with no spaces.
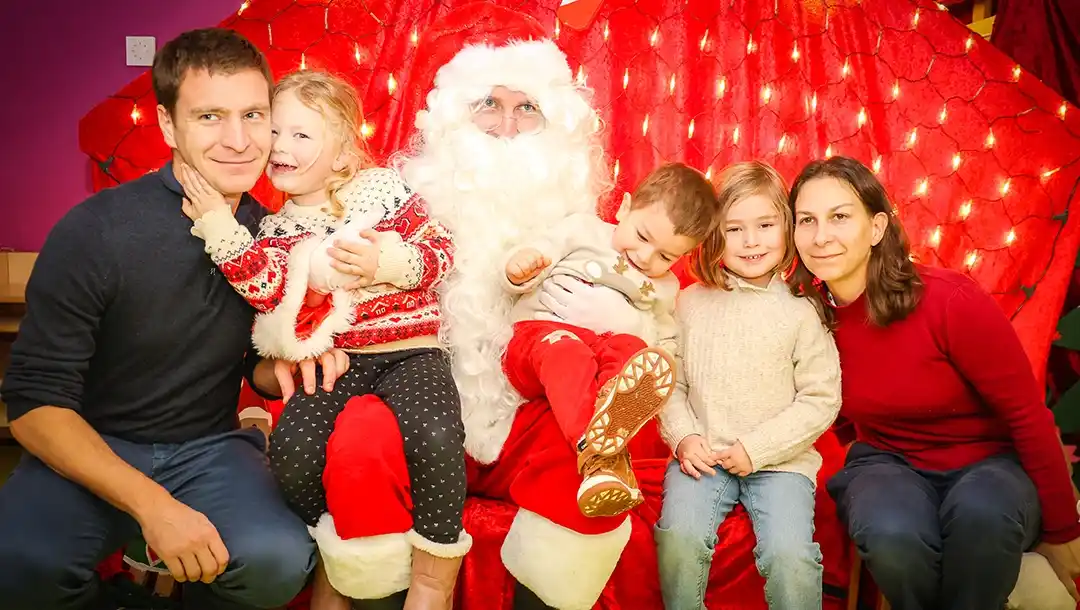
{"x":686,"y":194}
{"x":216,"y":50}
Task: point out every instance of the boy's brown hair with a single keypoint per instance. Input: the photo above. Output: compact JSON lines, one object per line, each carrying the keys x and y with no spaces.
{"x":216,"y":50}
{"x":688,"y":197}
{"x":736,"y":183}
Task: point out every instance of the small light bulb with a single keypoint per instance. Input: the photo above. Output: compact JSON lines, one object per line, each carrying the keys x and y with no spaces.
{"x":704,"y":40}
{"x":243,"y":7}
{"x":844,"y":71}
{"x":965,"y":209}
{"x":971,"y":259}
{"x":721,"y":87}
{"x":766,"y":94}
{"x":750,"y":46}
{"x":1016,"y":73}
{"x":391,"y":84}
{"x":828,"y":151}
{"x":896,"y":90}
{"x":876,"y":165}
{"x":303,"y":61}
{"x":1010,"y":237}
{"x":813,"y":103}
{"x":956,"y":162}
{"x":366,"y":130}
{"x":780,"y":144}
{"x":970,"y":42}
{"x":915,"y":19}
{"x":990,"y":139}
{"x":607,"y":31}
{"x":1048,"y":173}
{"x":708,"y":173}
{"x":616,"y":169}
{"x":625,"y":78}
{"x":356,"y":53}
{"x":735,"y":135}
{"x":414,"y":37}
{"x":922,"y":186}
{"x":135,"y":114}
{"x":645,"y":126}
{"x":1062,"y":109}
{"x":654,"y":37}
{"x":911,"y":137}
{"x":690,"y":130}
{"x":557,"y":30}
{"x":862,"y":117}
{"x":581,"y":75}
{"x":935,"y":237}
{"x":671,"y":85}
{"x":795,"y":53}
{"x":944,"y":113}
{"x":1005,"y":187}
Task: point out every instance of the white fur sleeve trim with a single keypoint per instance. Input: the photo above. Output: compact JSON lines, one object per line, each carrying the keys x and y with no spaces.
{"x":274,"y":333}
{"x":364,"y":568}
{"x":447,"y":551}
{"x":565,"y":569}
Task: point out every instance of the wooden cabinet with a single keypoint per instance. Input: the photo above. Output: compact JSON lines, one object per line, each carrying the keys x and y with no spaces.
{"x":14,"y":272}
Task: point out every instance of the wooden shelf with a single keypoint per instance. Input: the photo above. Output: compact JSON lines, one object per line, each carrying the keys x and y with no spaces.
{"x":9,"y":325}
{"x":12,"y":293}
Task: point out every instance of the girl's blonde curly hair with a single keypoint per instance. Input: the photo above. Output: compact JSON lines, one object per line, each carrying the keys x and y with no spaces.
{"x":338,"y":103}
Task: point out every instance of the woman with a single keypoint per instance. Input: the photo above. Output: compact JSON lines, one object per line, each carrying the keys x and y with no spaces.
{"x":955,"y":451}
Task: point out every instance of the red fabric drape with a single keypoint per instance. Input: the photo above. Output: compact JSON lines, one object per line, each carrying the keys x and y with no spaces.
{"x":1043,"y":36}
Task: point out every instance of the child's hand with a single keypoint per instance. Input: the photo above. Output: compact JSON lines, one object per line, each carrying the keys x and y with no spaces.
{"x":734,"y":460}
{"x":363,"y":260}
{"x":695,"y":457}
{"x":526,"y":264}
{"x":200,"y":196}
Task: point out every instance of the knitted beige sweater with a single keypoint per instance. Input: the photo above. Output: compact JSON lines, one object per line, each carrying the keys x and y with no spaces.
{"x":754,"y":365}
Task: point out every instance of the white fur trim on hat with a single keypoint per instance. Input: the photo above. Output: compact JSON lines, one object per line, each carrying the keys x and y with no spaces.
{"x":364,"y":568}
{"x":446,"y":551}
{"x":565,"y":569}
{"x":274,"y":333}
{"x":533,"y":67}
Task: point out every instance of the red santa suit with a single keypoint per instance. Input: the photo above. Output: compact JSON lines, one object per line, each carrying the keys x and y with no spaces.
{"x":493,"y":194}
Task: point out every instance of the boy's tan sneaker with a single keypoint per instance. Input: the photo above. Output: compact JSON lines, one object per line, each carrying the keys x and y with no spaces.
{"x":627,"y":402}
{"x":609,"y":486}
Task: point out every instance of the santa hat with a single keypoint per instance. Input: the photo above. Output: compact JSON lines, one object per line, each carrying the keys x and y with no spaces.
{"x":477,"y":47}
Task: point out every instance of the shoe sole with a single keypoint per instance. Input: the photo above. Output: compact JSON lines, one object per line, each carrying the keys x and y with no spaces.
{"x":640,"y":390}
{"x":607,"y":497}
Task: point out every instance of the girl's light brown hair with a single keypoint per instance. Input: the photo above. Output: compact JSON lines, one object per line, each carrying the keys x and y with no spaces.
{"x":340,"y":105}
{"x":734,"y":184}
{"x":893,"y":285}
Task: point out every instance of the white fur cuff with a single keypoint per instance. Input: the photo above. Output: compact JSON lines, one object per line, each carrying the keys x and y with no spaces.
{"x":565,"y":569}
{"x":364,"y":568}
{"x":446,"y":551}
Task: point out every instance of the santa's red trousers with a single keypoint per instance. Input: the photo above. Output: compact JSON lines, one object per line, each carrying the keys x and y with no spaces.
{"x":552,"y":548}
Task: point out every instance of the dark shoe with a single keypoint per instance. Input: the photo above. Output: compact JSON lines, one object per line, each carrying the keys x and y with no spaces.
{"x":394,"y":602}
{"x":524,"y":599}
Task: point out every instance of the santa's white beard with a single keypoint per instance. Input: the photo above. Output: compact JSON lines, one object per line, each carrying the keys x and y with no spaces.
{"x":493,"y":194}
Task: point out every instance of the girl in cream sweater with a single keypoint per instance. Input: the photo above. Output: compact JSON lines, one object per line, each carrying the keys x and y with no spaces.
{"x":758,"y":383}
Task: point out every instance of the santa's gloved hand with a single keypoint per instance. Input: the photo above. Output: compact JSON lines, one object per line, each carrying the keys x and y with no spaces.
{"x":596,"y":308}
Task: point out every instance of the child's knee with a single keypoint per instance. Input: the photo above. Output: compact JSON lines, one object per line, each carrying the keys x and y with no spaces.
{"x":777,"y":557}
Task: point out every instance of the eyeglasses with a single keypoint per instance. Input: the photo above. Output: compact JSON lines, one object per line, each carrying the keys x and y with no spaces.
{"x":489,"y":115}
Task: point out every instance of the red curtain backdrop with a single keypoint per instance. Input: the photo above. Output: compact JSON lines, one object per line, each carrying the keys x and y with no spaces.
{"x":982,"y":159}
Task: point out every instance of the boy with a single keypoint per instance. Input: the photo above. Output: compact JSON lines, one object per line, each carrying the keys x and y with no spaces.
{"x":604,"y":389}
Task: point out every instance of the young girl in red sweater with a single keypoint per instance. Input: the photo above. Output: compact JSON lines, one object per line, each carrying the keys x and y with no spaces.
{"x":954,"y":450}
{"x":388,"y":320}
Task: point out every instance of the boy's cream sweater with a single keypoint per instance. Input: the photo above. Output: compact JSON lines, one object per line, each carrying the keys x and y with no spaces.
{"x":755,"y":365}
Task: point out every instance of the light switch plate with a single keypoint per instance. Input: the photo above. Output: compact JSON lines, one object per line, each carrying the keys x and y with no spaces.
{"x":140,"y":50}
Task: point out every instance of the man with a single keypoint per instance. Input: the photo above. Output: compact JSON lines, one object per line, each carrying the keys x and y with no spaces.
{"x":496,"y":174}
{"x":124,"y":380}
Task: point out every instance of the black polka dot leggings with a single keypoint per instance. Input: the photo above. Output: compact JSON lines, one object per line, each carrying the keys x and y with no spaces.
{"x":417,"y":386}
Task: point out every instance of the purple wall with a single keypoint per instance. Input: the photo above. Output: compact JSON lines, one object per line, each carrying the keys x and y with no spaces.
{"x":60,"y":58}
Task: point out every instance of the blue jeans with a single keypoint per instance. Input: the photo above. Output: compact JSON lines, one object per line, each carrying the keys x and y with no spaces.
{"x":938,"y":540}
{"x":53,"y":533}
{"x":781,"y":507}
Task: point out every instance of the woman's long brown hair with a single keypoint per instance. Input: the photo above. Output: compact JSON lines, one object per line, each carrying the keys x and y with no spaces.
{"x":893,"y":285}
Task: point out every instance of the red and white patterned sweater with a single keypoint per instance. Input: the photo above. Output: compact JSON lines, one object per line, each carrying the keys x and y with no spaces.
{"x":271,"y":271}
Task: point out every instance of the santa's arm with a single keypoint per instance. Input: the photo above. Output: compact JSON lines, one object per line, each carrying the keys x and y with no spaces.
{"x":256,"y":268}
{"x":415,"y":250}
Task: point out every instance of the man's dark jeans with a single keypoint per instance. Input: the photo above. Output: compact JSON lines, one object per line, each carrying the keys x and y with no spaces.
{"x":938,"y":540}
{"x":53,"y":533}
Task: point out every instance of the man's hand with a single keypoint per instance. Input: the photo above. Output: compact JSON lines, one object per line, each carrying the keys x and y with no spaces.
{"x":597,"y":308}
{"x":1065,"y":559}
{"x":357,"y":258}
{"x":185,"y":540}
{"x":525,"y":264}
{"x":695,"y":457}
{"x":201,"y":197}
{"x":334,"y":364}
{"x":734,"y":460}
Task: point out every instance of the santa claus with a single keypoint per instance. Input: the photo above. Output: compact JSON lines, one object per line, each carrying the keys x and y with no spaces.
{"x":505,"y":147}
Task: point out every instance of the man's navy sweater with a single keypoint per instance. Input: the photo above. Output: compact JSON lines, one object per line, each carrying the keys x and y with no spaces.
{"x":130,"y":323}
